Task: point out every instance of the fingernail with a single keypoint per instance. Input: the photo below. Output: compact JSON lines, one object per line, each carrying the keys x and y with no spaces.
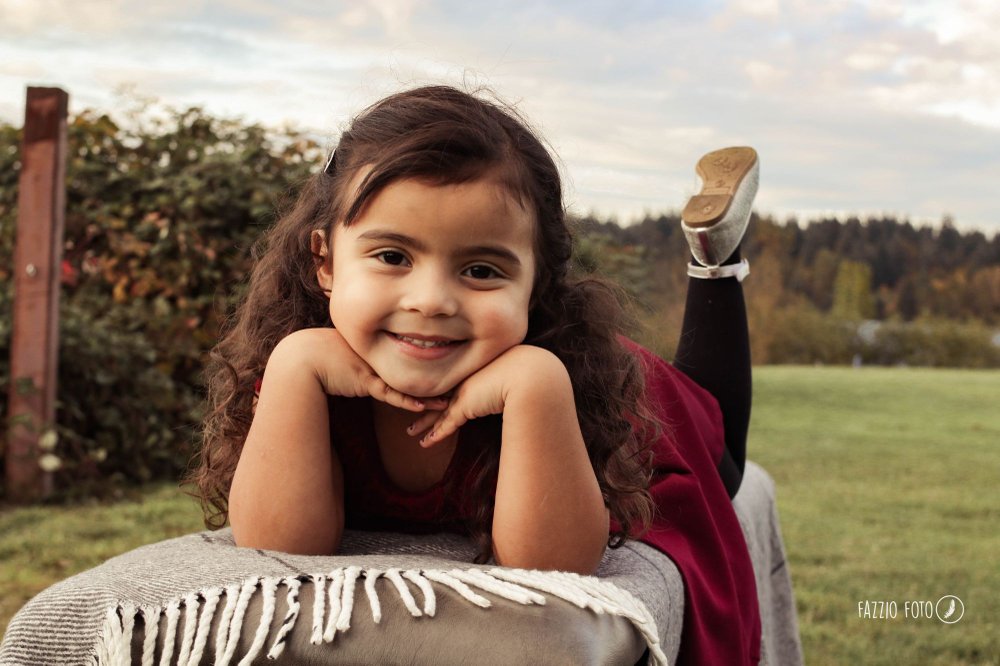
{"x":410,"y":428}
{"x":419,"y":404}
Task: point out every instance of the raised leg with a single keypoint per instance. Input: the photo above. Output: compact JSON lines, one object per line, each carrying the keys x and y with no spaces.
{"x":714,"y":348}
{"x":714,"y":351}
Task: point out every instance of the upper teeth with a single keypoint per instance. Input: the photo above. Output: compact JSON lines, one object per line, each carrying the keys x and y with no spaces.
{"x":425,"y":344}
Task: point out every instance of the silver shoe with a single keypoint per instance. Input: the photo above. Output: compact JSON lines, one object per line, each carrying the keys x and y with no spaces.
{"x":715,"y":219}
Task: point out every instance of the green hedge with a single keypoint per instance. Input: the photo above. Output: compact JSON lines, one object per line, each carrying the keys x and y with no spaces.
{"x":935,"y":343}
{"x":804,"y":335}
{"x":161,"y":212}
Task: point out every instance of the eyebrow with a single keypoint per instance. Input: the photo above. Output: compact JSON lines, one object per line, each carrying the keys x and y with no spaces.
{"x":497,"y":251}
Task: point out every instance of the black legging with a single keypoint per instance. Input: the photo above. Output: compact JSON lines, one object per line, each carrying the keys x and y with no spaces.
{"x":714,"y":351}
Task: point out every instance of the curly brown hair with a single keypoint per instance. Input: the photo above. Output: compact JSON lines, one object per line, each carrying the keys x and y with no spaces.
{"x":440,"y":135}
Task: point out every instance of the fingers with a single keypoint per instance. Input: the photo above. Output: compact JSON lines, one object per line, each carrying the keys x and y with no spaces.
{"x":448,"y":422}
{"x":379,"y":390}
{"x":423,"y":422}
{"x":438,"y":404}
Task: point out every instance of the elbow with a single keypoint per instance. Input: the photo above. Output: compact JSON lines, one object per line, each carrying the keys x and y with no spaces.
{"x":584,"y":559}
{"x":588,"y":561}
{"x":301,"y":539}
{"x":579,"y":552}
{"x":302,"y":544}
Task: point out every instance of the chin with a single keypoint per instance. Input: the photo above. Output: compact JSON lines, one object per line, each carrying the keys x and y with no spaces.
{"x":419,"y":389}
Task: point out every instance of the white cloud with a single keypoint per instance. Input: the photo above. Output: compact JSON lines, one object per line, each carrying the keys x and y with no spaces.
{"x":765,"y":75}
{"x":952,"y":20}
{"x":757,"y":7}
{"x":874,"y":56}
{"x":26,"y":17}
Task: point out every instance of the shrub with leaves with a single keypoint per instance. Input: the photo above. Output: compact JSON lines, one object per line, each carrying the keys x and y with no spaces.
{"x":162,"y":206}
{"x":935,"y":343}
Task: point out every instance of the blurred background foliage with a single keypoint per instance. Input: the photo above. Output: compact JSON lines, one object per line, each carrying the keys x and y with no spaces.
{"x":163,"y":205}
{"x":161,"y":208}
{"x":829,"y":292}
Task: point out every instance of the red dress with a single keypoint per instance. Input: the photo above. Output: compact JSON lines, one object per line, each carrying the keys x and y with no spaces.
{"x":694,"y":525}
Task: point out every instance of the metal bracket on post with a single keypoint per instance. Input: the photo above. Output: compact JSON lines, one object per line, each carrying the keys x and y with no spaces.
{"x":34,"y":348}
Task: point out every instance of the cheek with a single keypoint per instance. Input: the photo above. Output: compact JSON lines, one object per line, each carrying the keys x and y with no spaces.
{"x":354,"y":302}
{"x":356,"y":305}
{"x":509,"y":322}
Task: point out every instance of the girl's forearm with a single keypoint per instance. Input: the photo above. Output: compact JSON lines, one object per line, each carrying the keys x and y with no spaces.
{"x":287,"y":492}
{"x":549,"y":510}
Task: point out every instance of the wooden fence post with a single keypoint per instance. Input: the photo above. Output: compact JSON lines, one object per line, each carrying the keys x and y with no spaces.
{"x":34,"y":347}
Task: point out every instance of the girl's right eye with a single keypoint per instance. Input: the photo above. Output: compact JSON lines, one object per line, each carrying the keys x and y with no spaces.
{"x":392,"y":258}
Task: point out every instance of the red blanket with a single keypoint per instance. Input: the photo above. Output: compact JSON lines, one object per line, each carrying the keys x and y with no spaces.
{"x":696,"y":525}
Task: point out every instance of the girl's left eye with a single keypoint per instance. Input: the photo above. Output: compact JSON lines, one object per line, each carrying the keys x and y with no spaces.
{"x":481,"y":272}
{"x":392,"y":257}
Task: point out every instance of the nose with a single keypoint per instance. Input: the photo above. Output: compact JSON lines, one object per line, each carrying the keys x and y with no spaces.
{"x":430,"y":293}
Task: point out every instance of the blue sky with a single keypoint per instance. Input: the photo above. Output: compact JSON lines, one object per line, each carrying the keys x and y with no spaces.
{"x":855,"y":107}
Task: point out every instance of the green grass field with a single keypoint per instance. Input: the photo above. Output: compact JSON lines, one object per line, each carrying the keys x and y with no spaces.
{"x":887,"y":488}
{"x":888,"y":491}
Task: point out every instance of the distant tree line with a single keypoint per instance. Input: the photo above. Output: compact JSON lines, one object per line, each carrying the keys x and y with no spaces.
{"x":906,"y":271}
{"x":836,"y":273}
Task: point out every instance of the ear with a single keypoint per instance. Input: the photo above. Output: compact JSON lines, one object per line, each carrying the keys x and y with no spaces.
{"x":321,"y":253}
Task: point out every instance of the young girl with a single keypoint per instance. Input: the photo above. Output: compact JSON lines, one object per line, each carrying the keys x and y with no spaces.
{"x":414,"y":355}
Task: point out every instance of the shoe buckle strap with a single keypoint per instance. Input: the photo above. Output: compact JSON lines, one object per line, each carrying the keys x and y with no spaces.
{"x":738,"y":271}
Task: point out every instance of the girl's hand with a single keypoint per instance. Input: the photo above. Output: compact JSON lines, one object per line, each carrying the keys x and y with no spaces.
{"x":549,"y":511}
{"x":342,"y":372}
{"x":487,"y":391}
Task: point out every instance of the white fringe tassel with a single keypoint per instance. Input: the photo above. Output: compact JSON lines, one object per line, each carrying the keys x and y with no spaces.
{"x":522,"y":586}
{"x":151,"y":619}
{"x":319,"y":584}
{"x":170,"y":635}
{"x":430,"y":601}
{"x":372,"y":575}
{"x":270,"y":588}
{"x":212,"y":596}
{"x":232,"y":597}
{"x":289,"y":622}
{"x":404,"y":592}
{"x":236,"y":625}
{"x":347,"y":598}
{"x":336,"y":591}
{"x":190,"y":627}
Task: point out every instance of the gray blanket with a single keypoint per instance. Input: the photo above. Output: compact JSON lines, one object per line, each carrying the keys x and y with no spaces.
{"x":131,"y":601}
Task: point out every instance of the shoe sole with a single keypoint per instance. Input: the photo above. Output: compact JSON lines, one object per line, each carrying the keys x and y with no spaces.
{"x":722,"y":172}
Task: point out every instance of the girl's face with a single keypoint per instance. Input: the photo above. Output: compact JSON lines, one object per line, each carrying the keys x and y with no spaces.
{"x":431,"y":283}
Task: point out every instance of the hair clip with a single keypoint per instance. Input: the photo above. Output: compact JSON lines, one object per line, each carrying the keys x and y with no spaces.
{"x":331,"y":163}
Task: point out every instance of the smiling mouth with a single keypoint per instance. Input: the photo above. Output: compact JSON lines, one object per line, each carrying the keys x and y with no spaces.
{"x":426,"y":343}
